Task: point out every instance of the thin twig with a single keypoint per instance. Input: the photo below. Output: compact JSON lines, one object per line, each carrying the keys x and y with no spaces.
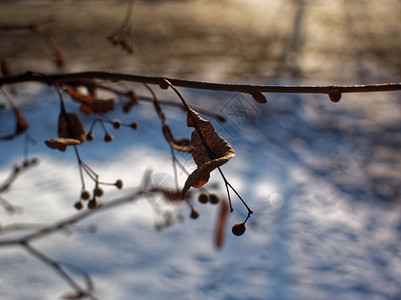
{"x":58,"y":268}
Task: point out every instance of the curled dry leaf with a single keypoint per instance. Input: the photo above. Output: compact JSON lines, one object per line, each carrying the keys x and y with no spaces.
{"x":210,"y":150}
{"x":71,"y":132}
{"x":61,"y":143}
{"x":70,"y":126}
{"x":21,"y":127}
{"x":90,"y":104}
{"x":178,"y":144}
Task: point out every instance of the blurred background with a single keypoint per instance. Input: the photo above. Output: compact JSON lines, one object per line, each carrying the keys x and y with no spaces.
{"x":322,"y":178}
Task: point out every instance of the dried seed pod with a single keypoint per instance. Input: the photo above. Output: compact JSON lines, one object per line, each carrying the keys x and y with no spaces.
{"x":214,"y":199}
{"x":134,"y":125}
{"x":92,"y":203}
{"x":90,"y":136}
{"x":78,"y":205}
{"x":108,"y":137}
{"x":98,"y":192}
{"x":119,"y":184}
{"x":194,"y":214}
{"x":203,"y":198}
{"x":85,"y":195}
{"x":238,"y":229}
{"x":116,"y":124}
{"x":334,"y":95}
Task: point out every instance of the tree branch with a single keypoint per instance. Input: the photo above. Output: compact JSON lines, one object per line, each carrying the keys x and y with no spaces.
{"x":57,"y":226}
{"x":241,"y":88}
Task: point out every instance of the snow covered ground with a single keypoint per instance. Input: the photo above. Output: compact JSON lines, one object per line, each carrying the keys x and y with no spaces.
{"x":322,"y":178}
{"x":324,"y":190}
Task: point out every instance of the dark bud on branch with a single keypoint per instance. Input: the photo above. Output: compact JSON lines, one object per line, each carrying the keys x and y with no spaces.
{"x":335,"y":95}
{"x":259,"y":97}
{"x":164,"y":85}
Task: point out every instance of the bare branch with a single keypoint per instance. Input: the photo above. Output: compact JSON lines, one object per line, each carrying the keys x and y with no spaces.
{"x":60,"y":270}
{"x":241,"y":88}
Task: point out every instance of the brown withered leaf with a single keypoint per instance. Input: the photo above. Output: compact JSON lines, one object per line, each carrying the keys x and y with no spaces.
{"x":90,"y":104}
{"x":70,"y":126}
{"x":178,"y":144}
{"x":21,"y":127}
{"x":217,"y":152}
{"x":61,"y":143}
{"x":71,"y":132}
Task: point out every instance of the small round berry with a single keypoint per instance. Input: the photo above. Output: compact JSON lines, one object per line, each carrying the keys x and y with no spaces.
{"x":108,"y":137}
{"x":214,"y":199}
{"x":85,"y":195}
{"x":238,"y":229}
{"x":203,"y":198}
{"x":116,"y":124}
{"x":119,"y":184}
{"x":164,"y":85}
{"x":335,"y":95}
{"x":92,"y":203}
{"x":78,"y":205}
{"x":98,"y":192}
{"x":134,"y":125}
{"x":194,"y":214}
{"x":90,"y":136}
